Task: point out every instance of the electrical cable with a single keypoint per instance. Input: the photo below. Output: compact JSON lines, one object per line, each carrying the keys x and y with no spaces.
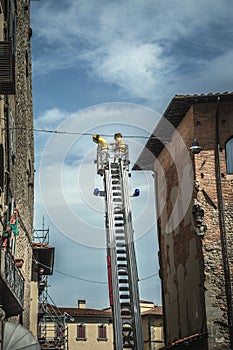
{"x":156,"y":137}
{"x":63,"y":273}
{"x":75,"y":133}
{"x":84,"y":279}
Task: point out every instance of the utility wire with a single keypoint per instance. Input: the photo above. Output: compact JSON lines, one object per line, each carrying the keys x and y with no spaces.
{"x":74,"y":133}
{"x":60,"y":132}
{"x":84,"y":279}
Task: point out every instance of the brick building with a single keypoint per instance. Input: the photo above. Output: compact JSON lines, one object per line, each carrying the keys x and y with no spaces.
{"x":16,"y":161}
{"x":194,"y":196}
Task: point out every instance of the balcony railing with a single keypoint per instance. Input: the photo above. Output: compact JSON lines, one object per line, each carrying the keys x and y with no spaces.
{"x":11,"y":286}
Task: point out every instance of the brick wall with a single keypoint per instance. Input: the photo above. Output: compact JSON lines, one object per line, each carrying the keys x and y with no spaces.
{"x":191,"y":259}
{"x":207,"y":196}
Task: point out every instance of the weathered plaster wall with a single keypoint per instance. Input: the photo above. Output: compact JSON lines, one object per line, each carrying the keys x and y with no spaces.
{"x":192,"y":270}
{"x":180,"y":248}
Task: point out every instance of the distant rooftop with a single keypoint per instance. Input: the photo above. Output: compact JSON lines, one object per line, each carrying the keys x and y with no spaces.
{"x":107,"y":312}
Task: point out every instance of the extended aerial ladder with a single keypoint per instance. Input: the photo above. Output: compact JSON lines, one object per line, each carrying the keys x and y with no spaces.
{"x":113,"y":164}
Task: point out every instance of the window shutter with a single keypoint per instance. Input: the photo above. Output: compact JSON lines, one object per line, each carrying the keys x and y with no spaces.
{"x":102,"y":332}
{"x":7,"y":69}
{"x":81,"y":331}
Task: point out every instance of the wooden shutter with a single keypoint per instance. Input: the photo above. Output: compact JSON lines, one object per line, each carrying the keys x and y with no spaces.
{"x":7,"y":69}
{"x":102,"y":332}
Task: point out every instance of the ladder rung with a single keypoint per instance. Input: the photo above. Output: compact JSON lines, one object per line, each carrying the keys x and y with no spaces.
{"x":119,"y":230}
{"x":121,"y":258}
{"x":116,"y":188}
{"x":117,"y":200}
{"x":128,"y":346}
{"x":120,"y":244}
{"x":124,"y":296}
{"x":121,"y":266}
{"x":122,"y":273}
{"x":118,"y":218}
{"x":123,"y":280}
{"x":120,"y":238}
{"x":126,"y":329}
{"x":125,"y":313}
{"x":121,"y":251}
{"x":125,"y":305}
{"x":118,"y":212}
{"x":124,"y":289}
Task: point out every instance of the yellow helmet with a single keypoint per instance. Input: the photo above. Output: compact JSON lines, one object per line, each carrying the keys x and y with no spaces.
{"x":95,"y":138}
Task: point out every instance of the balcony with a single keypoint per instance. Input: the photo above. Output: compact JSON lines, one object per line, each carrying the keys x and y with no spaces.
{"x":11,"y":286}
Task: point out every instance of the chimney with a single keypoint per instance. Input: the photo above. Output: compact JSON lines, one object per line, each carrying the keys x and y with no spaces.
{"x":81,"y":304}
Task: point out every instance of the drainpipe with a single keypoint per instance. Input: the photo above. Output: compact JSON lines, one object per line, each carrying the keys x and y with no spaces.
{"x":222,"y":227}
{"x":7,"y":150}
{"x":160,"y":264}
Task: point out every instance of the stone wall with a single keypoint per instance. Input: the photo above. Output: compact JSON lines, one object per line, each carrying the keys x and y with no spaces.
{"x":21,"y":146}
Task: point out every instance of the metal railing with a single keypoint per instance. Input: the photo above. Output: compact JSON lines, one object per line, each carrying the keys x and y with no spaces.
{"x":14,"y":277}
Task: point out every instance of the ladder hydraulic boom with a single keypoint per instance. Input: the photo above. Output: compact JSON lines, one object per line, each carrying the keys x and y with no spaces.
{"x":112,"y":164}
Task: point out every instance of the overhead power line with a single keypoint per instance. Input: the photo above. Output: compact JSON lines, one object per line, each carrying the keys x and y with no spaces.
{"x":75,"y":133}
{"x":85,"y":279}
{"x":160,"y":138}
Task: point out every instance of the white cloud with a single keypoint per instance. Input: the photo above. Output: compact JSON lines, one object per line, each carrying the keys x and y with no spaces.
{"x":130,"y":44}
{"x":51,"y":117}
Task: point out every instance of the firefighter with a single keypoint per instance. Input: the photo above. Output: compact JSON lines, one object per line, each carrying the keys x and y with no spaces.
{"x":103,"y":154}
{"x":101,"y":141}
{"x":119,"y":143}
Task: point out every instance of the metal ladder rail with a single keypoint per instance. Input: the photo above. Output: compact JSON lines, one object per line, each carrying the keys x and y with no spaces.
{"x":111,"y":251}
{"x":127,"y":279}
{"x":133,"y":273}
{"x":124,"y":282}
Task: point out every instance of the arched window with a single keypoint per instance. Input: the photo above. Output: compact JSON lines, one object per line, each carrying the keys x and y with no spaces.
{"x":229,"y":155}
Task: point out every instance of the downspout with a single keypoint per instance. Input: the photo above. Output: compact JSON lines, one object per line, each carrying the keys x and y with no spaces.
{"x":159,"y":257}
{"x":222,"y":227}
{"x":8,"y":159}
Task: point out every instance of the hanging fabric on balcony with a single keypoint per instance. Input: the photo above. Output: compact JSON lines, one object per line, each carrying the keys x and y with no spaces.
{"x":16,"y":337}
{"x":10,"y":233}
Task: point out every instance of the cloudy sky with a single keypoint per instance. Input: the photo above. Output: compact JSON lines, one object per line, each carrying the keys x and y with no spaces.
{"x":107,"y":66}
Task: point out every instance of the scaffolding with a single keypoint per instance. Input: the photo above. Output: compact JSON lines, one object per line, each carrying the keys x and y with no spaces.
{"x":52,"y":329}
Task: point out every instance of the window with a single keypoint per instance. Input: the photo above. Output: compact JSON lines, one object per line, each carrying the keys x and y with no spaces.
{"x":229,"y":155}
{"x":102,"y":332}
{"x":81,"y":332}
{"x":7,"y":68}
